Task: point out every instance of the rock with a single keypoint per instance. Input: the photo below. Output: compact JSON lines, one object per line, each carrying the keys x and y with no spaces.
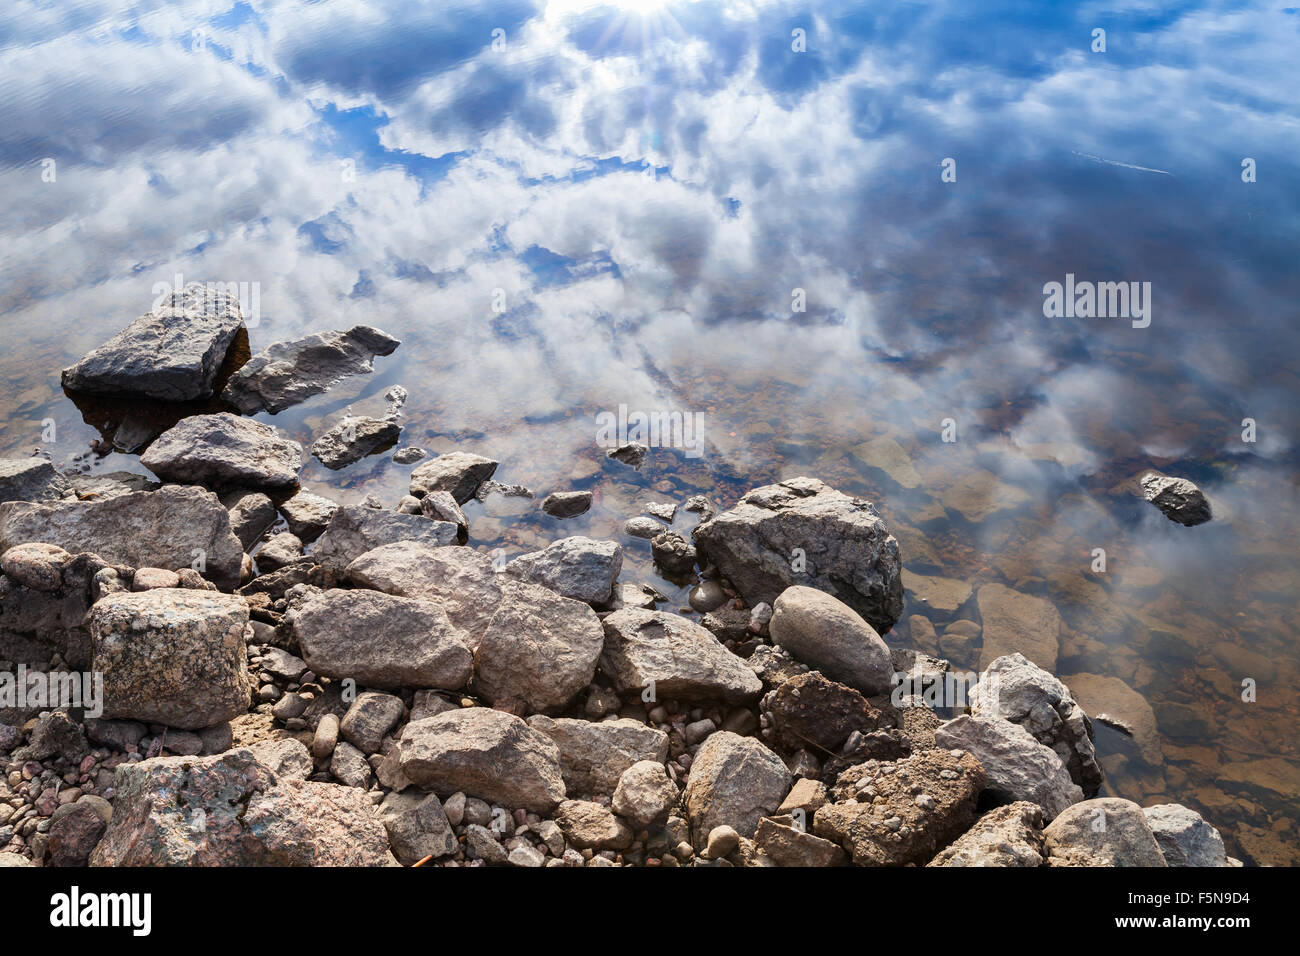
{"x":580,"y":568}
{"x":458,"y":472}
{"x":809,"y":710}
{"x":1006,"y":836}
{"x":722,"y":842}
{"x":250,"y":515}
{"x":885,"y":455}
{"x":1184,"y":838}
{"x":279,"y":663}
{"x":285,"y":757}
{"x":111,"y":484}
{"x":594,"y":755}
{"x":1177,"y":498}
{"x":380,"y":640}
{"x":939,"y":597}
{"x":1111,"y":701}
{"x":168,"y":528}
{"x":229,"y":810}
{"x":416,"y":826}
{"x":566,"y":504}
{"x":773,"y":665}
{"x":326,"y":738}
{"x":707,"y":596}
{"x":588,"y":825}
{"x":286,"y":373}
{"x":642,"y":527}
{"x":1019,"y":691}
{"x":280,"y":550}
{"x":827,"y":634}
{"x":172,"y":656}
{"x":409,"y":455}
{"x":31,"y":479}
{"x":644,"y":794}
{"x":680,"y":657}
{"x":734,"y":781}
{"x":1018,"y":623}
{"x":539,"y":647}
{"x":917,"y":805}
{"x":806,"y":795}
{"x":36,"y":565}
{"x":54,"y":735}
{"x":356,"y":529}
{"x":171,"y":354}
{"x":224,"y":450}
{"x":461,"y":580}
{"x":979,"y":494}
{"x":442,"y":506}
{"x":75,"y":830}
{"x":1016,"y":766}
{"x":119,"y":734}
{"x":370,"y":719}
{"x":349,"y":766}
{"x":788,"y":846}
{"x":352,"y":439}
{"x":847,"y":550}
{"x":308,"y":515}
{"x":1106,"y":831}
{"x":673,"y":553}
{"x":217,"y":738}
{"x":484,"y":845}
{"x":487,"y":753}
{"x":633,"y":453}
{"x":525,"y":855}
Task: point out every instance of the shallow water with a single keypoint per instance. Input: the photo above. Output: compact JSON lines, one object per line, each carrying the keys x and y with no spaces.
{"x":617,"y":205}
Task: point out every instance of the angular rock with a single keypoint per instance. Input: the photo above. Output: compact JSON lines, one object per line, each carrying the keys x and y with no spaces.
{"x":279,"y":551}
{"x":174,"y":657}
{"x":416,"y":826}
{"x":811,"y":711}
{"x":353,"y":439}
{"x":633,"y":453}
{"x":224,"y":450}
{"x":1106,"y":831}
{"x":349,"y":766}
{"x":286,"y":757}
{"x":588,"y":825}
{"x":827,"y":634}
{"x":1111,"y":701}
{"x":286,"y":373}
{"x":1005,"y":836}
{"x":566,"y":504}
{"x":171,"y":354}
{"x":442,"y":506}
{"x":580,"y":568}
{"x":380,"y":640}
{"x":848,"y":551}
{"x":594,"y":755}
{"x":1015,"y":623}
{"x":1184,"y":838}
{"x":485,"y":753}
{"x":308,"y":515}
{"x":458,"y":472}
{"x":31,"y":479}
{"x":789,"y":846}
{"x":250,"y":514}
{"x":644,"y":794}
{"x":355,"y":529}
{"x":673,"y":553}
{"x":370,"y":719}
{"x":76,"y":829}
{"x":735,"y":781}
{"x":682,"y":659}
{"x":1177,"y":498}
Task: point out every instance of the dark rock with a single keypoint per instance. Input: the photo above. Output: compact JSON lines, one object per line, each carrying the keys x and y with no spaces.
{"x":352,"y":439}
{"x":30,"y":479}
{"x":1177,"y":498}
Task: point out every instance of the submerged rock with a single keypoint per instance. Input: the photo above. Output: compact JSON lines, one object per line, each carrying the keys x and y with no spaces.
{"x":352,"y":439}
{"x":224,"y":450}
{"x":286,"y":373}
{"x":171,"y":354}
{"x":841,"y":543}
{"x":31,"y":479}
{"x":1177,"y":498}
{"x":633,"y":453}
{"x":1018,"y":623}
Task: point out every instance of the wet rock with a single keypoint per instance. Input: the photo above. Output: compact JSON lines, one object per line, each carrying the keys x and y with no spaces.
{"x":1005,"y":836}
{"x":566,"y":504}
{"x":938,"y":597}
{"x":280,"y":550}
{"x":169,"y":528}
{"x":171,"y":354}
{"x":172,"y":656}
{"x":486,"y":753}
{"x":1177,"y":498}
{"x":594,"y":755}
{"x":707,"y":596}
{"x":681,"y":658}
{"x":644,"y":794}
{"x":735,"y":781}
{"x":539,"y":647}
{"x":1113,"y":702}
{"x":75,"y":830}
{"x":885,"y":455}
{"x":251,"y":513}
{"x":633,"y":453}
{"x":286,"y":373}
{"x":353,"y":439}
{"x":31,"y":479}
{"x":1184,"y":838}
{"x":588,"y":825}
{"x":409,"y":455}
{"x":827,"y":634}
{"x":370,"y":719}
{"x":380,"y":640}
{"x":914,"y":807}
{"x":978,"y":495}
{"x":1018,"y":623}
{"x":580,"y":568}
{"x":847,"y":550}
{"x":308,"y":515}
{"x":458,"y":472}
{"x":673,"y":553}
{"x":461,"y":580}
{"x":642,"y":527}
{"x":354,"y":530}
{"x":224,"y":450}
{"x":229,"y":810}
{"x":1016,"y":766}
{"x":702,"y":505}
{"x":788,"y":846}
{"x":1017,"y":690}
{"x":417,"y":826}
{"x":1106,"y":831}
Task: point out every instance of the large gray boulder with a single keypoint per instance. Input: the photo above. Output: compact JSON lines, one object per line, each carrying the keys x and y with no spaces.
{"x":224,"y":450}
{"x":172,"y":528}
{"x":840,"y":544}
{"x":461,"y":580}
{"x":825,"y":633}
{"x":1185,"y":839}
{"x":171,"y":354}
{"x":1107,"y":831}
{"x":483,"y":753}
{"x":172,"y":656}
{"x":594,"y":754}
{"x":580,"y":568}
{"x":735,"y":781}
{"x":458,"y":472}
{"x":539,"y":648}
{"x":355,"y":529}
{"x":380,"y":640}
{"x":681,"y":658}
{"x":31,"y":479}
{"x":286,"y":373}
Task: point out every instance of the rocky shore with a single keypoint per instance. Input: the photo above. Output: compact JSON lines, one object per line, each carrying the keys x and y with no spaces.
{"x":264,"y":676}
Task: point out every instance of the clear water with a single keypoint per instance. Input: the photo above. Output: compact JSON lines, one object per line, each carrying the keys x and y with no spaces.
{"x":614,"y":204}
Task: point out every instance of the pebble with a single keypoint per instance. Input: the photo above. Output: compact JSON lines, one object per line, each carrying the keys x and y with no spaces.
{"x":454,"y":808}
{"x":723,"y":841}
{"x":327,"y":737}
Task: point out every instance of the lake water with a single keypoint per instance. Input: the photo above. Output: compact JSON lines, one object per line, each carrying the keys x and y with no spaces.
{"x":823,"y":228}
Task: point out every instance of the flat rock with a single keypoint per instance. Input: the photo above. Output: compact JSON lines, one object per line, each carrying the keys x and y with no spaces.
{"x":1106,"y":831}
{"x":580,"y":568}
{"x":735,"y":781}
{"x":417,"y":826}
{"x":566,"y":504}
{"x":286,"y":373}
{"x":31,"y":479}
{"x":355,"y":529}
{"x":789,"y":846}
{"x":171,"y":354}
{"x":353,"y":439}
{"x":979,"y":494}
{"x":824,"y":632}
{"x":224,"y":450}
{"x":380,"y":640}
{"x":847,"y":549}
{"x":588,"y":825}
{"x":1111,"y":701}
{"x":458,"y":472}
{"x":1005,"y":836}
{"x":1018,"y":623}
{"x":938,"y":597}
{"x":594,"y":755}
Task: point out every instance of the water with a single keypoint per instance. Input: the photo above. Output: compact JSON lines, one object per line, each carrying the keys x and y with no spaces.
{"x":616,"y":205}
